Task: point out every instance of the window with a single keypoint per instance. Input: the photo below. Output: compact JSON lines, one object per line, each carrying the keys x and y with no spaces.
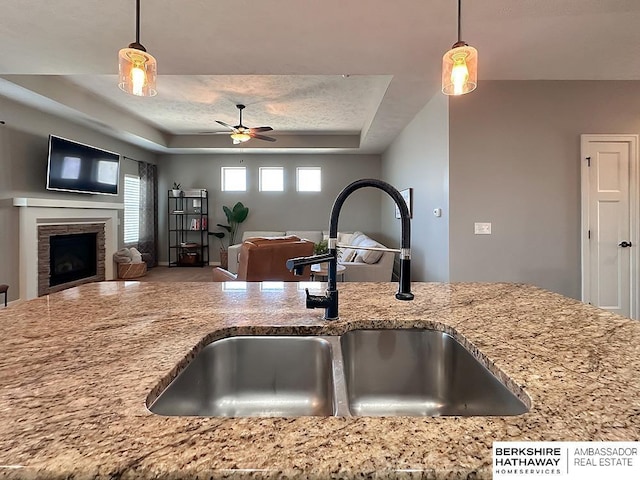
{"x":271,"y":179}
{"x":131,"y":208}
{"x":309,"y":179}
{"x":234,"y":179}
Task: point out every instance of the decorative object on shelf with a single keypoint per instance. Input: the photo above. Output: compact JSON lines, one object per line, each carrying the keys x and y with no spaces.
{"x":407,"y":194}
{"x":176,"y":190}
{"x":459,"y":66}
{"x":137,"y":68}
{"x":198,"y":224}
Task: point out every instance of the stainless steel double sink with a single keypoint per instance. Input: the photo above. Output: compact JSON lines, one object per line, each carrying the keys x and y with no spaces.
{"x":360,"y":373}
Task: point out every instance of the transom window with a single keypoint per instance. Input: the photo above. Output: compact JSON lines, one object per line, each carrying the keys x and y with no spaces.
{"x":271,"y":179}
{"x":234,"y":179}
{"x":309,"y":179}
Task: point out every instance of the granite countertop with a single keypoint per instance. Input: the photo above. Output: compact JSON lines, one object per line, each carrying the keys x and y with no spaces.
{"x":78,"y":365}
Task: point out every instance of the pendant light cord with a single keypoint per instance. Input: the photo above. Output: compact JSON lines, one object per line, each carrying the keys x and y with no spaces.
{"x":138,"y":21}
{"x":459,"y":22}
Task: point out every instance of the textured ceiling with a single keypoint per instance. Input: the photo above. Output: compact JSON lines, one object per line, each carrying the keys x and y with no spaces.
{"x":287,"y":61}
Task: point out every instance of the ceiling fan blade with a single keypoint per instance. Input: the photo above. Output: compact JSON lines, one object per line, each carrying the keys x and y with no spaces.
{"x":262,"y":137}
{"x":260,"y":129}
{"x":225,"y":124}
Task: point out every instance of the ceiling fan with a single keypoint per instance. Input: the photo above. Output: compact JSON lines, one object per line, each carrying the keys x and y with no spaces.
{"x":241,"y":134}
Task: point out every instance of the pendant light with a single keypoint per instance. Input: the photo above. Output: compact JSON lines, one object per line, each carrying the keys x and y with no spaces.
{"x":137,"y":68}
{"x":459,"y":67}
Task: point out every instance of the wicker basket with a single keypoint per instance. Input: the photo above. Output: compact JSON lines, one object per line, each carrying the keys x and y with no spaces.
{"x":131,"y":270}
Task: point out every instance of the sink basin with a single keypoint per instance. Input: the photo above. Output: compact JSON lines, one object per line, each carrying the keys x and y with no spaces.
{"x":361,"y":373}
{"x":254,"y":376}
{"x":419,"y":372}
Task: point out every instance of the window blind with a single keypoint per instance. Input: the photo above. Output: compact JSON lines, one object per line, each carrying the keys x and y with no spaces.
{"x":131,"y":209}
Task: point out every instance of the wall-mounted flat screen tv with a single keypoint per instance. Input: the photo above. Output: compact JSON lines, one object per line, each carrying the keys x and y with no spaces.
{"x":76,"y":167}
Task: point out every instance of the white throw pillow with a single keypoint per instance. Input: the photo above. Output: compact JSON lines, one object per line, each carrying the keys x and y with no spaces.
{"x":356,"y":238}
{"x":349,"y":254}
{"x":369,"y":256}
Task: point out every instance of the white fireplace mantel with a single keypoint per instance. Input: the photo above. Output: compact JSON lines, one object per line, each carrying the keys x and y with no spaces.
{"x":57,"y":203}
{"x":47,"y":211}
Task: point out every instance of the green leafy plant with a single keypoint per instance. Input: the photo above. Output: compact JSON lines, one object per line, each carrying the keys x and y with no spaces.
{"x":235,"y":216}
{"x":321,"y":247}
{"x":219,"y":236}
{"x":176,"y":186}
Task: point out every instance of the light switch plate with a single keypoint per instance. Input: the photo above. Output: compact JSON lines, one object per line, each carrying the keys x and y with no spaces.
{"x":482,"y":228}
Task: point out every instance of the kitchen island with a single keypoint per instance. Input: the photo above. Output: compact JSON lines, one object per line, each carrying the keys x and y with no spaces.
{"x":78,"y":366}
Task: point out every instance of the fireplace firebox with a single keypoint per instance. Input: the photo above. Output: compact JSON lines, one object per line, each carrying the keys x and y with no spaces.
{"x":70,"y":254}
{"x":72,"y":257}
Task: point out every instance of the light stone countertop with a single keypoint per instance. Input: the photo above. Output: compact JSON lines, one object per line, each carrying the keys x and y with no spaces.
{"x":77,"y":367}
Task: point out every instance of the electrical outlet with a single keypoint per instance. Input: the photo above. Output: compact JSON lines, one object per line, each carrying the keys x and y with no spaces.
{"x":482,"y":228}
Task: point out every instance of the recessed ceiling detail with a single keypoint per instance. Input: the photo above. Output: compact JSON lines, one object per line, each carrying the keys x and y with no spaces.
{"x":331,"y":76}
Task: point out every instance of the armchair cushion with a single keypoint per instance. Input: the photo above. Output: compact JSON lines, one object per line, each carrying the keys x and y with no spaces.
{"x":264,"y":259}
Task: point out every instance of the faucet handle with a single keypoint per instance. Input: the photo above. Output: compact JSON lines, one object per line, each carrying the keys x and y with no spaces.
{"x":316,"y":301}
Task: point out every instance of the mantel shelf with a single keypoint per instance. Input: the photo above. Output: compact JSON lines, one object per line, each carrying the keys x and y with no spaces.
{"x":60,"y":203}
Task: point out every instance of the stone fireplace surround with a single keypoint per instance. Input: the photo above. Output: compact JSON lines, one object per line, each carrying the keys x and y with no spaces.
{"x":39,"y":212}
{"x":45,"y":232}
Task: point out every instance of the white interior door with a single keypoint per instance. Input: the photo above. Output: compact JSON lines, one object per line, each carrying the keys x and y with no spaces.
{"x":609,"y":212}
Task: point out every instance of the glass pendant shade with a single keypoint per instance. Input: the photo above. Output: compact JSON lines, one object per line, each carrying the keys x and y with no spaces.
{"x":460,"y":70}
{"x":138,"y":71}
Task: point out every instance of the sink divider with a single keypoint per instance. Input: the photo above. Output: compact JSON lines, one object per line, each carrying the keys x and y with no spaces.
{"x":341,"y":401}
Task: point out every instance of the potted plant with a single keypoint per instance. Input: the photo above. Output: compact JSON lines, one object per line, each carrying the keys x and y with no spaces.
{"x":321,"y":247}
{"x":235,"y":216}
{"x":176,"y":190}
{"x":224,"y":253}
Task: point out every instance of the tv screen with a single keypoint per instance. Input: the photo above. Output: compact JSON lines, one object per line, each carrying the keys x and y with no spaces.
{"x":75,"y":167}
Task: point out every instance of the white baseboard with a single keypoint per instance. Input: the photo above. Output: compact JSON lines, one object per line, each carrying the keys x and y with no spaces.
{"x":211,"y":264}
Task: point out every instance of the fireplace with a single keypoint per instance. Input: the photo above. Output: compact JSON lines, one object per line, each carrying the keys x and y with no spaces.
{"x":72,"y":257}
{"x":39,"y":218}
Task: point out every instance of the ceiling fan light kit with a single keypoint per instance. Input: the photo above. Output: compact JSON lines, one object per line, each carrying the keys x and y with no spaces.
{"x":459,"y":67}
{"x":240,"y":137}
{"x":137,"y":68}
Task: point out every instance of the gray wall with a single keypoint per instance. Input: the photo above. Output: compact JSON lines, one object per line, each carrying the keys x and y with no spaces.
{"x":418,"y":159}
{"x":288,"y":210}
{"x":23,"y":169}
{"x":515,"y":162}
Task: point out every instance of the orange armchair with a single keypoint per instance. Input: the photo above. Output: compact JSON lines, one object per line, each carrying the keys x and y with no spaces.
{"x":264,"y":259}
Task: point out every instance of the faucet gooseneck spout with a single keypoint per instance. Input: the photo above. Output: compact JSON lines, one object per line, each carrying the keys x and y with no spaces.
{"x":330,"y":301}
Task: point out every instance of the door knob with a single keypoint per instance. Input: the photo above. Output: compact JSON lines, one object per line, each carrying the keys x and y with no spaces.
{"x":624,"y":244}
